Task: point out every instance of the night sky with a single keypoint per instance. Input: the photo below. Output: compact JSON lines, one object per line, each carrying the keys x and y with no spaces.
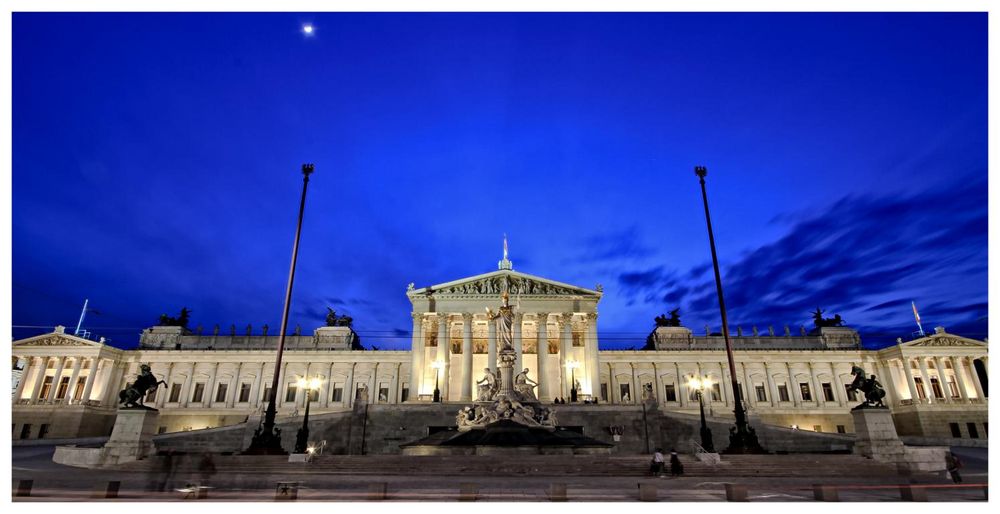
{"x":156,"y":165}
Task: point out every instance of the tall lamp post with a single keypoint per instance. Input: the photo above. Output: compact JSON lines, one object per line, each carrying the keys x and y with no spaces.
{"x":437,"y":365}
{"x":302,"y":438}
{"x":699,"y":385}
{"x":267,"y":438}
{"x":743,"y":439}
{"x":572,"y":365}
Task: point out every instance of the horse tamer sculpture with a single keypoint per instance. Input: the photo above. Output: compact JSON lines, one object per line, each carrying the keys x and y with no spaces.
{"x":134,"y":394}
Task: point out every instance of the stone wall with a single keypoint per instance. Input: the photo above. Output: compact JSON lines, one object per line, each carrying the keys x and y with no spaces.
{"x":64,"y":422}
{"x":935,"y":423}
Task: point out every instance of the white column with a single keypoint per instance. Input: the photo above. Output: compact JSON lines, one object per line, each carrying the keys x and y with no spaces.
{"x":980,"y":395}
{"x":161,"y":395}
{"x":771,"y":386}
{"x":416,"y":356}
{"x":590,"y":347}
{"x":77,"y":364}
{"x":491,"y":345}
{"x":373,"y":384}
{"x":817,"y":386}
{"x":28,"y":368}
{"x":280,"y":392}
{"x":888,"y":383}
{"x":113,"y":385}
{"x":839,"y":392}
{"x":943,"y":379}
{"x":186,"y":390}
{"x":56,"y":378}
{"x":726,"y":387}
{"x":658,"y":384}
{"x":612,"y":385}
{"x":36,"y":388}
{"x":518,"y":343}
{"x":542,"y":354}
{"x":394,"y":392}
{"x":634,"y":388}
{"x":255,"y":392}
{"x":88,"y":386}
{"x":565,"y":343}
{"x":792,"y":386}
{"x":956,"y":366}
{"x":349,"y":389}
{"x":910,"y":383}
{"x":466,"y":390}
{"x":444,"y":354}
{"x":210,"y":386}
{"x":234,"y":384}
{"x":681,"y":391}
{"x":324,"y":388}
{"x":926,"y":380}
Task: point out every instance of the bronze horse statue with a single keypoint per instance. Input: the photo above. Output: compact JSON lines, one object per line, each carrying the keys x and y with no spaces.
{"x":134,"y":394}
{"x":870,"y":386}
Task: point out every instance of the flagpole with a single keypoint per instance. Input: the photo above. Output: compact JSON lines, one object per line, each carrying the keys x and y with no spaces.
{"x":917,"y":316}
{"x":82,"y":314}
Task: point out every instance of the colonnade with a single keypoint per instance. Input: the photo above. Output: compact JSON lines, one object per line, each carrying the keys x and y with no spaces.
{"x":960,"y":366}
{"x":72,"y":368}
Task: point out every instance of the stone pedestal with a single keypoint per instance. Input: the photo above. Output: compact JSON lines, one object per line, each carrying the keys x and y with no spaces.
{"x":131,"y":439}
{"x":876,"y":435}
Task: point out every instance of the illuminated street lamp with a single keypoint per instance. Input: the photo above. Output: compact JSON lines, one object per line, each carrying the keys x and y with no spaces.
{"x":302,"y":438}
{"x":438,"y":366}
{"x":699,"y":385}
{"x":572,"y":365}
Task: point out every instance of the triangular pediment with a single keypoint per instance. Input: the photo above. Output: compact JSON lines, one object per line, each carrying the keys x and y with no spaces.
{"x":52,"y":339}
{"x":943,"y":339}
{"x":494,"y":283}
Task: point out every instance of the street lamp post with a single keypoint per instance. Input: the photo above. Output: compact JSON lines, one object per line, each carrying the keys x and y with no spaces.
{"x":572,"y":365}
{"x":699,"y":385}
{"x":437,"y":365}
{"x":743,"y":439}
{"x":267,"y":438}
{"x":302,"y":437}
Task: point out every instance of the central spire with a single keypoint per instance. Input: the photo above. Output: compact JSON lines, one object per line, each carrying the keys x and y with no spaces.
{"x":505,"y":262}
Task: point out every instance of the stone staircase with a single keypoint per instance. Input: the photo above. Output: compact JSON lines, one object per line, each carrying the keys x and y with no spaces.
{"x":798,"y":465}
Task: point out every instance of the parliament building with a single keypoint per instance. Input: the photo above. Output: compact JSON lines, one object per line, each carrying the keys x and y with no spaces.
{"x":936,"y":385}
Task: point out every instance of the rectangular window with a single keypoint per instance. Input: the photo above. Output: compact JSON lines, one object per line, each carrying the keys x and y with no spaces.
{"x":671,"y":393}
{"x":956,"y":431}
{"x":761,"y":393}
{"x":175,"y":393}
{"x":953,"y":388}
{"x":46,"y":387}
{"x":817,"y":428}
{"x":919,"y":382}
{"x":716,"y":392}
{"x":63,"y":387}
{"x":81,"y":384}
{"x":625,"y":391}
{"x":828,"y":392}
{"x":314,"y":395}
{"x":245,"y":392}
{"x":220,"y":393}
{"x":973,"y":431}
{"x":267,"y":394}
{"x":936,"y":387}
{"x":783,"y":393}
{"x":43,"y":430}
{"x":290,"y":393}
{"x":338,"y":393}
{"x":804,"y":391}
{"x":841,"y":429}
{"x":383,"y":395}
{"x":403,"y":396}
{"x":199,"y":392}
{"x":852,"y":395}
{"x":26,"y":431}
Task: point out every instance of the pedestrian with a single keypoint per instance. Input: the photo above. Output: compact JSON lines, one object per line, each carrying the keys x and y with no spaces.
{"x":656,"y":466}
{"x":953,"y":463}
{"x":676,"y":468}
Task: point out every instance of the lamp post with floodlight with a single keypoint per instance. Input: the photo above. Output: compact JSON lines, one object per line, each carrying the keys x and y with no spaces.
{"x":699,"y":385}
{"x":302,"y":437}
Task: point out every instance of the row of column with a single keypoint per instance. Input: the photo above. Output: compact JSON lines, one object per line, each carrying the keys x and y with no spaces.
{"x":37,"y":366}
{"x":958,"y":364}
{"x":546,"y":391}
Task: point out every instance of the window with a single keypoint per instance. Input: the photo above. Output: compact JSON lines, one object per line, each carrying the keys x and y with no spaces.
{"x":804,"y":391}
{"x":151,"y":395}
{"x":46,"y":387}
{"x":761,"y":393}
{"x":383,"y":394}
{"x":828,"y":392}
{"x":624,"y":390}
{"x":919,"y":382}
{"x":716,"y":392}
{"x":956,"y":431}
{"x":314,"y":395}
{"x":81,"y":384}
{"x":199,"y":392}
{"x":245,"y":392}
{"x":783,"y":393}
{"x":973,"y":432}
{"x":26,"y":431}
{"x":953,"y":388}
{"x":338,"y":393}
{"x":267,"y":394}
{"x":604,"y":391}
{"x":175,"y":393}
{"x":841,"y":429}
{"x":671,"y":392}
{"x":403,"y":396}
{"x":220,"y":393}
{"x":43,"y":430}
{"x":63,"y":387}
{"x":290,"y":393}
{"x":852,"y":395}
{"x":817,"y":428}
{"x":936,"y":387}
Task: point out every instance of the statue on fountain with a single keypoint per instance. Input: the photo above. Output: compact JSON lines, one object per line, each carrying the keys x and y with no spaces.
{"x":488,"y":385}
{"x":524,"y":385}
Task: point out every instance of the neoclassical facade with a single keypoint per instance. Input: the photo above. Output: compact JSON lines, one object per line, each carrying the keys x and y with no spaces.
{"x":936,"y":385}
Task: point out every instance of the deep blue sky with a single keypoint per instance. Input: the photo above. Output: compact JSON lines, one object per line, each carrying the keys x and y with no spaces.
{"x":156,"y":165}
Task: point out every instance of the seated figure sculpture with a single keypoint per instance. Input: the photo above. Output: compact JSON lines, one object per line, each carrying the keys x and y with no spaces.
{"x":524,"y":385}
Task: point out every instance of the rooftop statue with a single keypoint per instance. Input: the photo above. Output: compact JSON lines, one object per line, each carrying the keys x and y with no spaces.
{"x":180,"y":321}
{"x":134,"y":394}
{"x":673,"y":321}
{"x":821,"y":322}
{"x":870,"y":386}
{"x":332,"y":320}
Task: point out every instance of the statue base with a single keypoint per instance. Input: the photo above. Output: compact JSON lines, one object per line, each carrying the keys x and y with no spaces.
{"x":877,"y":440}
{"x":131,"y":439}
